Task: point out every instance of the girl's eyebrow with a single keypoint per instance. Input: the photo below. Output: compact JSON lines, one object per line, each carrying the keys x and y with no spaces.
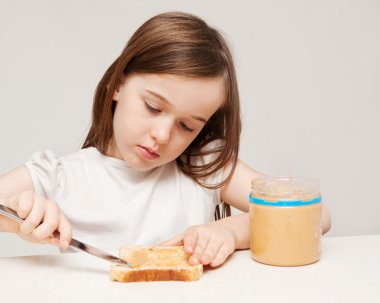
{"x":163,"y":99}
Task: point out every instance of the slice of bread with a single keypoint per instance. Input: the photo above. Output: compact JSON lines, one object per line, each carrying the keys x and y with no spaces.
{"x":160,"y":263}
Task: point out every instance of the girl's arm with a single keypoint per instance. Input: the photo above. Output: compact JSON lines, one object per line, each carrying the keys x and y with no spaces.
{"x":42,"y":216}
{"x":212,"y":243}
{"x":237,"y":191}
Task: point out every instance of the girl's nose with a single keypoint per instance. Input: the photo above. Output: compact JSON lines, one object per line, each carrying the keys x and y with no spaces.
{"x":161,"y":132}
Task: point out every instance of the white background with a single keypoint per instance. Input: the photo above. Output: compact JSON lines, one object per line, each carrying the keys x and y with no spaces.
{"x":309,"y":75}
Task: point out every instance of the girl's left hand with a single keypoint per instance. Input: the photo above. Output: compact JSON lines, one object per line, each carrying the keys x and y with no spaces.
{"x":209,"y":244}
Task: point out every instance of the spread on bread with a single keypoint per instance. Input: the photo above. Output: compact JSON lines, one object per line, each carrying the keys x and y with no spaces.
{"x":161,"y":263}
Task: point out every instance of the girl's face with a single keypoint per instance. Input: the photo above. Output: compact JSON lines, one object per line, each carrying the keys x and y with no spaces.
{"x":158,"y":115}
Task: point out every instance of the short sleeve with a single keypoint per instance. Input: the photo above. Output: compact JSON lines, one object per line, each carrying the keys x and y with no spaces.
{"x":45,"y":169}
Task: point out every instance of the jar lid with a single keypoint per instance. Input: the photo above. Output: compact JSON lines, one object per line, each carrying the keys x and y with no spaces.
{"x":285,"y":190}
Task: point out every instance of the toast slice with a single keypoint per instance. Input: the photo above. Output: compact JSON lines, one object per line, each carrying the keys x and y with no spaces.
{"x":161,"y":263}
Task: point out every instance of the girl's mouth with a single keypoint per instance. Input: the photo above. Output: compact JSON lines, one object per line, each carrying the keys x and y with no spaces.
{"x":147,"y":153}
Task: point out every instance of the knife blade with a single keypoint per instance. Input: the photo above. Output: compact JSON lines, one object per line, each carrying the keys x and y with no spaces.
{"x":76,"y":244}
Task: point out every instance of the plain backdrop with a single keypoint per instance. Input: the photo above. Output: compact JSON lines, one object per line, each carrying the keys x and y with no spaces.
{"x":309,"y":75}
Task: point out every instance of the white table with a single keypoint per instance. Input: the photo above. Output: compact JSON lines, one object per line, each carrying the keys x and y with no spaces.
{"x":349,"y":271}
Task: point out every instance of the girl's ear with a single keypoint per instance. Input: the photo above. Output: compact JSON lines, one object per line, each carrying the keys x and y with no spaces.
{"x":116,"y":93}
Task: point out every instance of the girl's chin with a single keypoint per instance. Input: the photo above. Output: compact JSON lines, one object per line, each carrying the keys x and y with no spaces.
{"x":139,"y":165}
{"x":141,"y":168}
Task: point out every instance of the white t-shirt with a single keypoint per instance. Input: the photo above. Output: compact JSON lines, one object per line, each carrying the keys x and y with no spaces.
{"x":110,"y":204}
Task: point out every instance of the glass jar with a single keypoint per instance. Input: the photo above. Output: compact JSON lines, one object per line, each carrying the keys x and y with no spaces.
{"x":285,"y":220}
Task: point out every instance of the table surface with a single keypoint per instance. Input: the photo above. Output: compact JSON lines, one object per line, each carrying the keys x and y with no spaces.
{"x":349,"y":271}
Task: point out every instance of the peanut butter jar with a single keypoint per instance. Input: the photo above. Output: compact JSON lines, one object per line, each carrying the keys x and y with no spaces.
{"x":285,"y":220}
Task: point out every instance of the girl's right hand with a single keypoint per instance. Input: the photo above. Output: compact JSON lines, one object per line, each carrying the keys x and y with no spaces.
{"x":42,"y":217}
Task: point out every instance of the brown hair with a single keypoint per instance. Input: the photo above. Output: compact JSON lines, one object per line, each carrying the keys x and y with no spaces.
{"x":184,"y":45}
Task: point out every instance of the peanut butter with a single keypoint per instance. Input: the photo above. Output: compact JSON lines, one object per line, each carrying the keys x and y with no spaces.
{"x":162,"y":257}
{"x":285,"y":220}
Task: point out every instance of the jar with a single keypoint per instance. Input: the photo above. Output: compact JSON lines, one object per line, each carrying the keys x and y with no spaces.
{"x":285,"y":220}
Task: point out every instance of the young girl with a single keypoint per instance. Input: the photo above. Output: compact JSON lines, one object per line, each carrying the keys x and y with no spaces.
{"x":161,"y":153}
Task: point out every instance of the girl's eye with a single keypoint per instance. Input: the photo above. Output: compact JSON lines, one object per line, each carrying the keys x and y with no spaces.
{"x":152,"y":109}
{"x":186,"y":128}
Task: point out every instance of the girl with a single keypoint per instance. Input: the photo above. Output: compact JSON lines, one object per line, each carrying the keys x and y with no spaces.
{"x":161,"y":153}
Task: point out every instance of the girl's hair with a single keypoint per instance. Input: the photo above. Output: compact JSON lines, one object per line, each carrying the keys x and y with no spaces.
{"x":184,"y":45}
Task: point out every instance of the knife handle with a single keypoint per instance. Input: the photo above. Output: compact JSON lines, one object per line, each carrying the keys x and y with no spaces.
{"x":10,"y":213}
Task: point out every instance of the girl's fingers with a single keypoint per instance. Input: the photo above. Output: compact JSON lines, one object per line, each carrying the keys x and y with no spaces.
{"x":11,"y":202}
{"x":190,"y":241}
{"x":22,"y":204}
{"x":221,"y":256}
{"x":210,"y":252}
{"x":178,"y":240}
{"x":42,"y":219}
{"x":35,"y":215}
{"x":197,"y":244}
{"x":65,"y":232}
{"x":51,"y":219}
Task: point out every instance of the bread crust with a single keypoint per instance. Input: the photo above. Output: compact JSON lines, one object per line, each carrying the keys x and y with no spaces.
{"x":156,"y":274}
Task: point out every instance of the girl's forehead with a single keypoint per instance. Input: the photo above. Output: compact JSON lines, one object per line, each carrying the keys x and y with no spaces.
{"x":192,"y":88}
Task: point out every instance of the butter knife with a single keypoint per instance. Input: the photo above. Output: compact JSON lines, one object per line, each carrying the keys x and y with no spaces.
{"x":78,"y":245}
